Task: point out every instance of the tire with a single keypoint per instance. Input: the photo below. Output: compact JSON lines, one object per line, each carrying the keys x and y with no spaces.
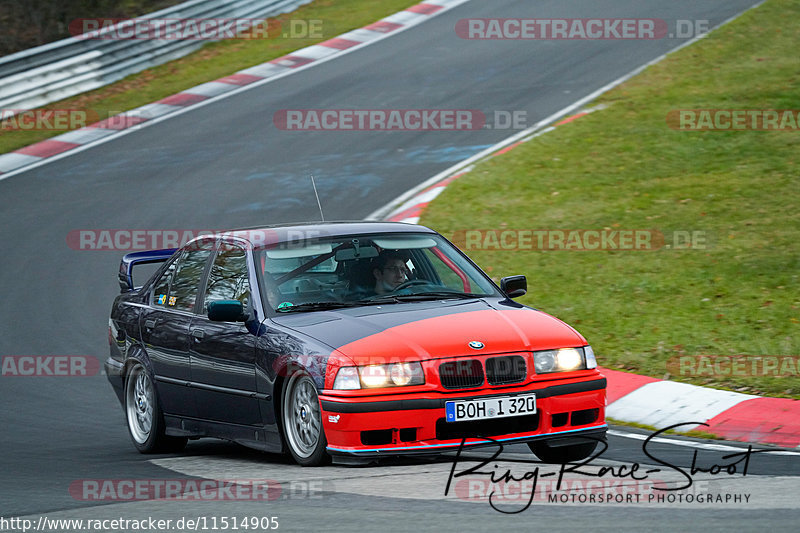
{"x":143,"y":413}
{"x":562,"y":454}
{"x":302,"y":421}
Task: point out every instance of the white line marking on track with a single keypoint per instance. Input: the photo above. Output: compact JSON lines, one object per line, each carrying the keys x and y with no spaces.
{"x":695,"y":444}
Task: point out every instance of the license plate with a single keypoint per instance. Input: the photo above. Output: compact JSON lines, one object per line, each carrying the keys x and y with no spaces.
{"x":497,"y":407}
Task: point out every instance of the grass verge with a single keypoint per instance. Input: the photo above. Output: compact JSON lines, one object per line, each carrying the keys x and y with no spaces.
{"x":216,"y":60}
{"x":622,"y":168}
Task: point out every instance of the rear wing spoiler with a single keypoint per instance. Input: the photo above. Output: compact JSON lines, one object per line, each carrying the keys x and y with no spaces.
{"x":139,"y":258}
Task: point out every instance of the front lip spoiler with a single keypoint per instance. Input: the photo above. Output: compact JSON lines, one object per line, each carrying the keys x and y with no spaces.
{"x":593,"y":433}
{"x":439,"y":403}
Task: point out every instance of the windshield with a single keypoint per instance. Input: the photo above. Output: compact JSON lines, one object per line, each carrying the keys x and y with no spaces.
{"x":365,"y":270}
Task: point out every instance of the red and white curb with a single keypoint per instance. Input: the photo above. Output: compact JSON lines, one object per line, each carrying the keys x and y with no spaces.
{"x":646,"y":400}
{"x":732,"y":415}
{"x":19,"y":159}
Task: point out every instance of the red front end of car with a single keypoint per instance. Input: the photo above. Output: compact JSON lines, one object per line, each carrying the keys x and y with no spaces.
{"x":494,"y":394}
{"x":417,"y":422}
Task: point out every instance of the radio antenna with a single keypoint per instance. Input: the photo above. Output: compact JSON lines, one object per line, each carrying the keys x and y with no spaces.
{"x":313,"y":184}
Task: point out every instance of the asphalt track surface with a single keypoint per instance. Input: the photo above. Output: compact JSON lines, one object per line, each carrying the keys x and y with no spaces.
{"x":226,"y":165}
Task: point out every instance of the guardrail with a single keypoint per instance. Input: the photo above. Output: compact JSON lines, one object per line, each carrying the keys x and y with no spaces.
{"x":57,"y":70}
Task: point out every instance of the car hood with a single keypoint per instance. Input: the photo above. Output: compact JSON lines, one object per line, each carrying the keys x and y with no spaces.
{"x":427,"y":330}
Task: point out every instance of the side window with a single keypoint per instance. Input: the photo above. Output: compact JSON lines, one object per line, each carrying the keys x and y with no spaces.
{"x":161,"y":288}
{"x":186,"y":280}
{"x":228,"y":278}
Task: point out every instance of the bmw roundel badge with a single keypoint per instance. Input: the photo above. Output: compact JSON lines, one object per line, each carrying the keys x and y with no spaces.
{"x":476,"y":345}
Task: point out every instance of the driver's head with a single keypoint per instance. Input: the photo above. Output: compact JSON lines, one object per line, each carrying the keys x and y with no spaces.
{"x":389,"y":271}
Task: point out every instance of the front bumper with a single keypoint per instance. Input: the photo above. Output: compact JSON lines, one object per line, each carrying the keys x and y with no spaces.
{"x":416,"y":423}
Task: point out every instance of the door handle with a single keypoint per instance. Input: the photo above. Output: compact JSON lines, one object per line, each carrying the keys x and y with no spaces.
{"x":150,"y":324}
{"x":198,"y":333}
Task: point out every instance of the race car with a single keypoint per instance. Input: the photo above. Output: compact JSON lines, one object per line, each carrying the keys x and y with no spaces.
{"x":357,"y":339}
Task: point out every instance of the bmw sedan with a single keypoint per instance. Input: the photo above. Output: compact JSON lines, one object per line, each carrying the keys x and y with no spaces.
{"x":345,"y":339}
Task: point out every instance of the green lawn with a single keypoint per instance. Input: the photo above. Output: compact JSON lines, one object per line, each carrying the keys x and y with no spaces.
{"x":623,"y":167}
{"x":216,"y":60}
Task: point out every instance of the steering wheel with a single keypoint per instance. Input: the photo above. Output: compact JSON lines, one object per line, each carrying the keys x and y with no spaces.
{"x":410,"y":283}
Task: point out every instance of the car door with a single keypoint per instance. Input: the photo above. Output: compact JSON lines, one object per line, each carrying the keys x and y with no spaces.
{"x":223,"y":353}
{"x":165,"y":328}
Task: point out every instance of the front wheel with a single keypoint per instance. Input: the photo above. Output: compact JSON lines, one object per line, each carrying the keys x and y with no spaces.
{"x":562,"y":454}
{"x":145,"y":419}
{"x":302,"y":421}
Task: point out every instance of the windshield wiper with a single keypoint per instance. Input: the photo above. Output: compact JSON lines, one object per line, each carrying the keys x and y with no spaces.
{"x":384,"y":299}
{"x":448,"y":294}
{"x":437,"y":295}
{"x":420,"y":296}
{"x":315,"y":306}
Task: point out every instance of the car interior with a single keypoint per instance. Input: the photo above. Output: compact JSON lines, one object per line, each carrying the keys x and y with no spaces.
{"x":337,"y":274}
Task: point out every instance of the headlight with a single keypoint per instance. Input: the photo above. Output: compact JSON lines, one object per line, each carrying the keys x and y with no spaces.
{"x":374,"y":376}
{"x":347,"y":379}
{"x":591,"y":362}
{"x":563,"y":360}
{"x":544,"y":361}
{"x":404,"y":373}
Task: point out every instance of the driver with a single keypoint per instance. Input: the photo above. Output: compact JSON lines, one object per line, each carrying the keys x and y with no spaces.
{"x":389,"y":271}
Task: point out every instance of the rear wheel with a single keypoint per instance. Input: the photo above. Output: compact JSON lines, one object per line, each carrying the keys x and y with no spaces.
{"x":302,"y":421}
{"x":562,"y":454}
{"x":145,"y":419}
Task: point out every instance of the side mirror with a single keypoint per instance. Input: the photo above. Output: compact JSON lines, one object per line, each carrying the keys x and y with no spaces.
{"x":514,"y":286}
{"x":226,"y":311}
